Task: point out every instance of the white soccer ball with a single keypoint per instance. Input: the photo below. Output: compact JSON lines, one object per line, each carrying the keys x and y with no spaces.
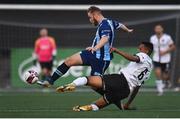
{"x":31,"y":77}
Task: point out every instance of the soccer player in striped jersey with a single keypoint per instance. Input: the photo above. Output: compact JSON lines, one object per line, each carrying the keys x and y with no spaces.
{"x":97,"y":56}
{"x":116,"y":87}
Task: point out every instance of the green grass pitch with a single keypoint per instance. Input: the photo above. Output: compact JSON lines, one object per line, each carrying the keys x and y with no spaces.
{"x":60,"y":105}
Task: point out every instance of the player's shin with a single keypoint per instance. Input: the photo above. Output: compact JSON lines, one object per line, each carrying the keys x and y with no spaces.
{"x":60,"y":71}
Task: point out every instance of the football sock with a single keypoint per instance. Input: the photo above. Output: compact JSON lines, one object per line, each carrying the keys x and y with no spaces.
{"x":160,"y":86}
{"x":94,"y":107}
{"x":60,"y":71}
{"x":81,"y":81}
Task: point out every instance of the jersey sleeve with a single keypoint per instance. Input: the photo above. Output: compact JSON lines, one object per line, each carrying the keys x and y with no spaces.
{"x":170,"y":41}
{"x":36,"y":46}
{"x":117,"y":24}
{"x":141,"y":57}
{"x":105,"y":30}
{"x":53,"y":43}
{"x":151,"y":39}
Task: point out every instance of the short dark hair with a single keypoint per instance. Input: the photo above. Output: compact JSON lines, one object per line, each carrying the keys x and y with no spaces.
{"x":92,"y":9}
{"x":149,"y":46}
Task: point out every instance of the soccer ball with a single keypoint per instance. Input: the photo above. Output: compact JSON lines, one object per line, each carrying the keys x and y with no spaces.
{"x":31,"y":77}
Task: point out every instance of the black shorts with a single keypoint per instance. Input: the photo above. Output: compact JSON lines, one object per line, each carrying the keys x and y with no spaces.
{"x":164,"y":66}
{"x":115,"y":88}
{"x":47,"y":65}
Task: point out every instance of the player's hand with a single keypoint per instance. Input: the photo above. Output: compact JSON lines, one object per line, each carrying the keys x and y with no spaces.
{"x":125,"y":106}
{"x":130,"y":30}
{"x":162,"y":53}
{"x":90,"y":49}
{"x":112,"y":49}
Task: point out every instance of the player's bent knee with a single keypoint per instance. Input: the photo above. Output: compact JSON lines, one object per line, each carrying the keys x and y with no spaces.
{"x":158,"y":72}
{"x":73,"y":61}
{"x":69,"y":61}
{"x":94,"y":81}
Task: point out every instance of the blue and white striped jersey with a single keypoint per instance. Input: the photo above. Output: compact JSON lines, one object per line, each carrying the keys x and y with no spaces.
{"x":105,"y":28}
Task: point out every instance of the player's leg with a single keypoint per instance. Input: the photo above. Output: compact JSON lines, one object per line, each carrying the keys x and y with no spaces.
{"x":98,"y":66}
{"x":93,"y":81}
{"x":43,"y":72}
{"x":48,"y":69}
{"x":115,"y":88}
{"x":166,"y":75}
{"x":159,"y":81}
{"x":73,"y":60}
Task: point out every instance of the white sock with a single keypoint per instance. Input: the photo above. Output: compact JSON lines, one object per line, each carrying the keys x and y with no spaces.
{"x":94,"y":107}
{"x":81,"y":81}
{"x":160,"y":86}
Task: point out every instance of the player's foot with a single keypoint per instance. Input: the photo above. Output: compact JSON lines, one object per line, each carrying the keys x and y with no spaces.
{"x":82,"y":108}
{"x":126,"y":107}
{"x":66,"y":88}
{"x":44,"y":83}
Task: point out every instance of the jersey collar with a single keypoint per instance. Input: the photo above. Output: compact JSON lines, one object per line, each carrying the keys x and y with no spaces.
{"x":101,"y":21}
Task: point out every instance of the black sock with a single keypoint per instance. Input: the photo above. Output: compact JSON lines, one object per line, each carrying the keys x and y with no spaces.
{"x":60,"y":71}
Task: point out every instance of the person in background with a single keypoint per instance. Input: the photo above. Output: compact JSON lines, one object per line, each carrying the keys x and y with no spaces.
{"x":163,"y":46}
{"x":45,"y":52}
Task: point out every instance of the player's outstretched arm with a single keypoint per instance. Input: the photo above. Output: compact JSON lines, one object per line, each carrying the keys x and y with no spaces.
{"x":125,"y":55}
{"x":131,"y":97}
{"x":126,"y":29}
